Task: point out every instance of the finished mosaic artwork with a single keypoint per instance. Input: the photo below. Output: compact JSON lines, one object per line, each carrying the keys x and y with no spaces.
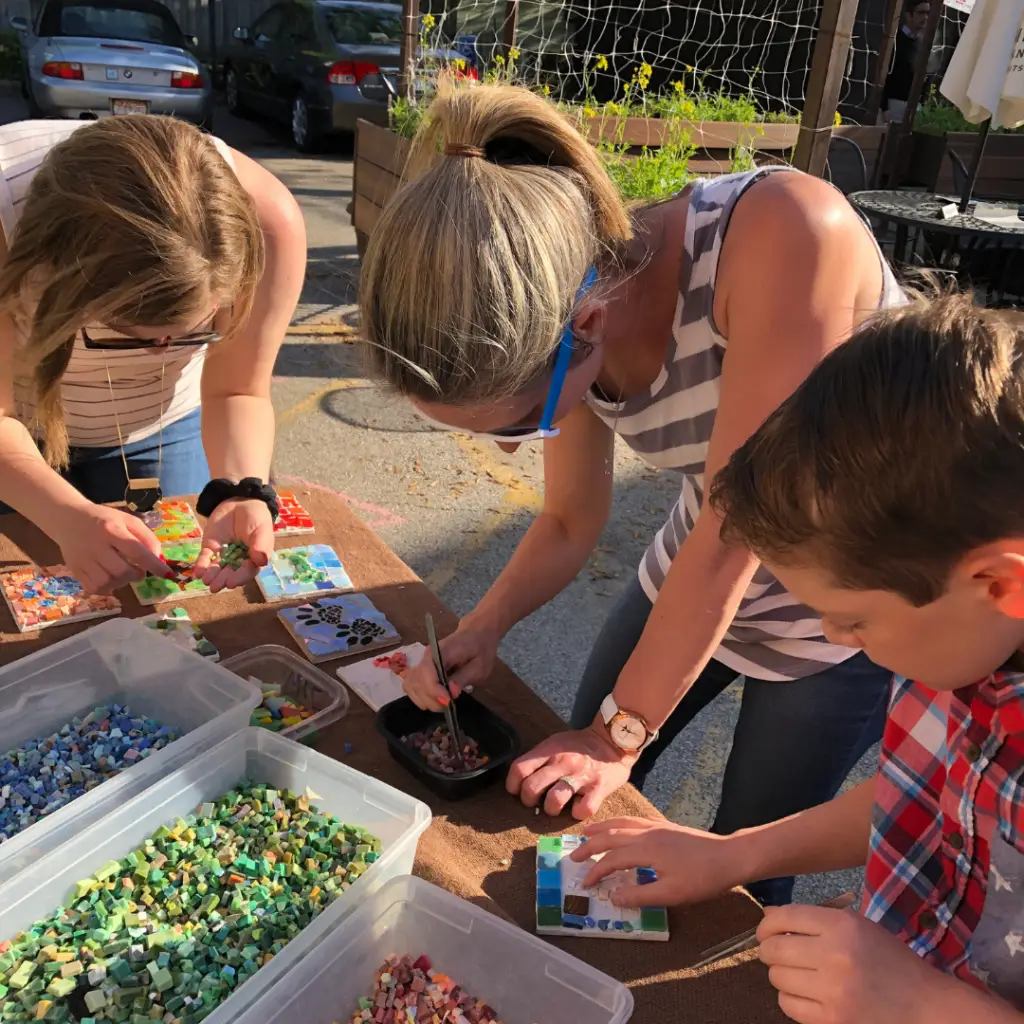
{"x":301,"y":572}
{"x":172,"y":521}
{"x":566,"y":907}
{"x":180,"y":558}
{"x":331,"y":627}
{"x":181,"y":630}
{"x":43,"y":597}
{"x":292,"y":518}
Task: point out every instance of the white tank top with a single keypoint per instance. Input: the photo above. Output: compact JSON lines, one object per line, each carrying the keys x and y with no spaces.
{"x":148,"y":387}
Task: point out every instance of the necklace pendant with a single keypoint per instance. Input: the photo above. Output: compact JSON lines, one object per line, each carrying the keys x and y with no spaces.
{"x":142,"y":495}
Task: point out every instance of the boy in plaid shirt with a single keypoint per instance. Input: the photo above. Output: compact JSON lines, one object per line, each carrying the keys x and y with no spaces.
{"x":888,"y":494}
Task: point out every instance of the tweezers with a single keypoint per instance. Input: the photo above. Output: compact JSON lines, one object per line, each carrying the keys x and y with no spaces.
{"x":450,"y":715}
{"x":748,"y":939}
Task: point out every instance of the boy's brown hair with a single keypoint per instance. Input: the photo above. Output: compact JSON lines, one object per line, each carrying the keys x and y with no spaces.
{"x":900,"y":453}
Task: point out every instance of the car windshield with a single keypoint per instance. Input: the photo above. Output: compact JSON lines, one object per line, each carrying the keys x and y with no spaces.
{"x":363,"y":26}
{"x":107,"y":21}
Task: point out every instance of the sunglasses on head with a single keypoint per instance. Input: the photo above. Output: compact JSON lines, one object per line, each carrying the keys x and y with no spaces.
{"x":563,"y":356}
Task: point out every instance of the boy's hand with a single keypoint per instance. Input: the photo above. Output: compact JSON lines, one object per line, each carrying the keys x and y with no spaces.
{"x":690,"y":865}
{"x":835,"y":967}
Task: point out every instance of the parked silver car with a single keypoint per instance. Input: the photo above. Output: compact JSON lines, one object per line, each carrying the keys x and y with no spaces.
{"x":91,"y":58}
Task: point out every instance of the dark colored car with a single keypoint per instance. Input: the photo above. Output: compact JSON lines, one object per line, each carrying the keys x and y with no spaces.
{"x":319,"y":65}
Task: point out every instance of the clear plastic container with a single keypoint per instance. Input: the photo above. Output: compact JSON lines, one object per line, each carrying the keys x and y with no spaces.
{"x":522,"y":978}
{"x":398,"y":820}
{"x":118,"y":661}
{"x":304,"y":683}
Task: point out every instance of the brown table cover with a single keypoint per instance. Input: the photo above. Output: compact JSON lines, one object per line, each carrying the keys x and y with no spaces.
{"x":465,"y":846}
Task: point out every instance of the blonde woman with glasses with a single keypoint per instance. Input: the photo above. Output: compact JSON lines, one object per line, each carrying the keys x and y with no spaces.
{"x":508,"y":294}
{"x":148,"y":274}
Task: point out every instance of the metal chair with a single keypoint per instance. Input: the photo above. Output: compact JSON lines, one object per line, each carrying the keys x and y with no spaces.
{"x":845,"y":166}
{"x":959,"y":171}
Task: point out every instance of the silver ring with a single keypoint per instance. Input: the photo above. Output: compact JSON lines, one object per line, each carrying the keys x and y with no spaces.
{"x":571,"y":783}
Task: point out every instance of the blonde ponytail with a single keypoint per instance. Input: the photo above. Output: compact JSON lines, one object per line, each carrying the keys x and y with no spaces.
{"x":474,"y":266}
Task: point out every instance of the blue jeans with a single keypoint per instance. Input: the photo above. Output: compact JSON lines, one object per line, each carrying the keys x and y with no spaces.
{"x":795,"y":742}
{"x":98,"y":473}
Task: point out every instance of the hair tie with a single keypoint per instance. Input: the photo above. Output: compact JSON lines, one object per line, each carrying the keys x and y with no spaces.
{"x":463,"y":149}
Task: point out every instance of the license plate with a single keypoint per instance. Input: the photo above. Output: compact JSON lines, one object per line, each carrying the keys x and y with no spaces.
{"x":129,"y":107}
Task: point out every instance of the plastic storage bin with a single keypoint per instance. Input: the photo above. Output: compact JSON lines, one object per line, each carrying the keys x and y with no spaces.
{"x":254,"y":753}
{"x":302,"y":682}
{"x":118,"y":661}
{"x":496,"y":737}
{"x":522,"y":978}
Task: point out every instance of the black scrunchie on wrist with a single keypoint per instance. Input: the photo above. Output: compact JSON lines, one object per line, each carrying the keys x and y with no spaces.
{"x":252,"y":488}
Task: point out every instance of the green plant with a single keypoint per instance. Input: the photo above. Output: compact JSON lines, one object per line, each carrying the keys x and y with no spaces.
{"x":937,"y":115}
{"x":653,"y":173}
{"x":10,"y":56}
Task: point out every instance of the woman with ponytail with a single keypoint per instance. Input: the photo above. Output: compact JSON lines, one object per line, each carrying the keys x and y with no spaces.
{"x":508,"y":294}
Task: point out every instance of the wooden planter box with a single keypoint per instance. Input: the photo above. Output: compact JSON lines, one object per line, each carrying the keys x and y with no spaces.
{"x":1001,"y":175}
{"x":381,"y":155}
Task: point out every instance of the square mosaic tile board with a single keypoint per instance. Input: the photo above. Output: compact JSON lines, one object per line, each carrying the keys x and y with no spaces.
{"x":173,"y":520}
{"x":378,"y":680}
{"x":42,"y":597}
{"x":565,"y":907}
{"x":292,"y":518}
{"x":180,"y":558}
{"x":302,"y":572}
{"x":181,"y":630}
{"x":331,"y":627}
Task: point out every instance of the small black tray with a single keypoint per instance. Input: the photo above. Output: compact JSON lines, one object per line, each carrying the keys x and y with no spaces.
{"x":496,"y":737}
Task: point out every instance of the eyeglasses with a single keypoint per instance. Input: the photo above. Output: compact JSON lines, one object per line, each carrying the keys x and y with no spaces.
{"x":113,"y":340}
{"x":563,"y":356}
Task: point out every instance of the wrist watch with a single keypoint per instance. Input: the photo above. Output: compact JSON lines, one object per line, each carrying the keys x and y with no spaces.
{"x":628,"y":731}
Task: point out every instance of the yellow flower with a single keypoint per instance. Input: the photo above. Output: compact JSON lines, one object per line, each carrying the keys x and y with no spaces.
{"x":546,"y":90}
{"x":679,"y":86}
{"x":499,"y":60}
{"x":601,"y":64}
{"x":589,"y":112}
{"x":838,"y":119}
{"x":429,"y":22}
{"x":689,"y":67}
{"x":513,"y":53}
{"x":460,"y":64}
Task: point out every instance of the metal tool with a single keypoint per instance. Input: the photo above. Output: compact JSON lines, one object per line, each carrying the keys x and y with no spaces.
{"x":451,"y":718}
{"x":748,"y":939}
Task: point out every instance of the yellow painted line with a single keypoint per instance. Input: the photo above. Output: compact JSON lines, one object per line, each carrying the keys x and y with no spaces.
{"x":324,"y":330}
{"x":313,"y":398}
{"x":519,"y":496}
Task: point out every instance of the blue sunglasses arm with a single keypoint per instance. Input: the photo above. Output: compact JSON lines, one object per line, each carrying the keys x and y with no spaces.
{"x":563,"y":359}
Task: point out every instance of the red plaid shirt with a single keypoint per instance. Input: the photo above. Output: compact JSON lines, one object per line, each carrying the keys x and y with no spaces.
{"x":946,"y":867}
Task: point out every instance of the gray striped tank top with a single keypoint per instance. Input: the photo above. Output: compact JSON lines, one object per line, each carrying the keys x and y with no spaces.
{"x":773,"y":636}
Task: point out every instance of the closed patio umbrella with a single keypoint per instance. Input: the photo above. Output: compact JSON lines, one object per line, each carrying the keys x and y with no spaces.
{"x":985,"y":77}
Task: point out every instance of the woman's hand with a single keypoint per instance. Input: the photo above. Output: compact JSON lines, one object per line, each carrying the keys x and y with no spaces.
{"x":241,"y":520}
{"x":468,"y":655}
{"x":595,"y":765}
{"x":690,"y":865}
{"x":105,"y":548}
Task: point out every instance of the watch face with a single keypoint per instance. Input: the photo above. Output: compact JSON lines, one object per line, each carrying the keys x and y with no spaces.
{"x":628,"y":733}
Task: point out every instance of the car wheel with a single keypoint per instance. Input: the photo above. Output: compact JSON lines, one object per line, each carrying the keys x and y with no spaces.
{"x":34,"y":110}
{"x":304,"y":136}
{"x":231,"y":93}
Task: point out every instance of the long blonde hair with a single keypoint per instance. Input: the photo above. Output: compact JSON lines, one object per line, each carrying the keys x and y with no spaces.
{"x":131,"y":220}
{"x":475,"y":264}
